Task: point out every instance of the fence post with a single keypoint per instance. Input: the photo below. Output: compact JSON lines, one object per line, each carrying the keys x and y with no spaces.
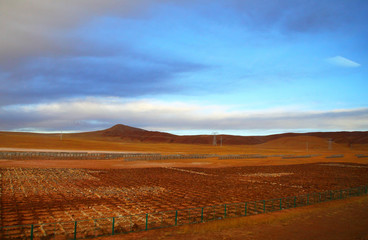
{"x":256,"y":207}
{"x":202,"y":216}
{"x":75,"y":230}
{"x":225,"y":211}
{"x":32,"y":232}
{"x":273,"y":208}
{"x":359,"y":191}
{"x":176,"y":217}
{"x":146,"y":221}
{"x":113,"y":226}
{"x":245,"y":209}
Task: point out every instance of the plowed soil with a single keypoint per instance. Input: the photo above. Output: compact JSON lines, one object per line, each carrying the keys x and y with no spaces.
{"x":337,"y":220}
{"x":44,"y":191}
{"x":34,"y":195}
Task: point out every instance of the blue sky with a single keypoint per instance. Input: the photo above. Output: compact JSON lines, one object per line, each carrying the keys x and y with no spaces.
{"x":247,"y":67}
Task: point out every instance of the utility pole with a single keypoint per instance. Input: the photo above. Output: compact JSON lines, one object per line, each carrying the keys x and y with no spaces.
{"x":221,"y":141}
{"x":61,"y":136}
{"x":330,"y":144}
{"x":307,"y":144}
{"x":214,"y":139}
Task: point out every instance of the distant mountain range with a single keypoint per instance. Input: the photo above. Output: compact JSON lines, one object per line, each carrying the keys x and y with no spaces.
{"x":132,"y":134}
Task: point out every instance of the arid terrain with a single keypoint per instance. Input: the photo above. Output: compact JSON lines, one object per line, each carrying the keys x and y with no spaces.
{"x":338,"y":220}
{"x":43,"y":190}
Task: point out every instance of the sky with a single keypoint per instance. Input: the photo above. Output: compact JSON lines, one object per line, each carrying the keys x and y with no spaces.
{"x":243,"y":67}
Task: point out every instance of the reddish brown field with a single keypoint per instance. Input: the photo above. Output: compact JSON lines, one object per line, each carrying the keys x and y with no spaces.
{"x":40,"y":195}
{"x":337,"y":220}
{"x":47,"y":191}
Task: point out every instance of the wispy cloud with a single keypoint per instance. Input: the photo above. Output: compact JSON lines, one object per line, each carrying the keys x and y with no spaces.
{"x":46,"y":56}
{"x":98,"y":113}
{"x":342,"y":62}
{"x":296,"y":16}
{"x":70,"y":77}
{"x":39,"y":27}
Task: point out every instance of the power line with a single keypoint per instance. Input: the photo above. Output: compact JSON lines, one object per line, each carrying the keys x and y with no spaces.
{"x":330,"y":144}
{"x":307,"y":144}
{"x":214,"y":143}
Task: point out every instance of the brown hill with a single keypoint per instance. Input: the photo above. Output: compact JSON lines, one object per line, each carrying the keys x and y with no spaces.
{"x":344,"y":137}
{"x":131,"y":134}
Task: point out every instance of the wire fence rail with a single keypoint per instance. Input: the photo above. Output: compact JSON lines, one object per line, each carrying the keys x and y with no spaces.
{"x":21,"y":155}
{"x":84,"y":229}
{"x":14,"y":155}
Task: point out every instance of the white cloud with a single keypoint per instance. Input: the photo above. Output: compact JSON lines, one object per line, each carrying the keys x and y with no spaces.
{"x":99,"y":113}
{"x":34,"y":27}
{"x":342,"y":62}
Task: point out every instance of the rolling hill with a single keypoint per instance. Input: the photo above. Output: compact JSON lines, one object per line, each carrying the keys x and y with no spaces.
{"x":131,"y":134}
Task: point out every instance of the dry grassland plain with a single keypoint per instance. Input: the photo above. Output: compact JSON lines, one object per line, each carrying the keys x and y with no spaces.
{"x":40,"y":191}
